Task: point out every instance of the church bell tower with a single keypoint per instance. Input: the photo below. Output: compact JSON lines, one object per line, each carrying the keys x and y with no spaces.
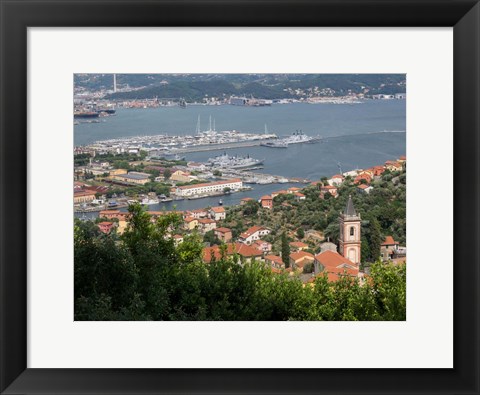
{"x":350,"y":237}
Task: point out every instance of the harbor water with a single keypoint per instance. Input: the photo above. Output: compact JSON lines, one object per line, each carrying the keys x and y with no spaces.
{"x":354,"y":136}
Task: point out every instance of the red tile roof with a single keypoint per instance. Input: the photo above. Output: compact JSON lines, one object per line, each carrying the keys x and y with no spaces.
{"x":331,"y":259}
{"x":363,"y":186}
{"x":206,"y":221}
{"x":389,"y":241}
{"x":274,"y":258}
{"x":266,"y":197}
{"x":218,"y":209}
{"x":335,"y":275}
{"x":223,"y":230}
{"x":199,"y":210}
{"x":108,"y":212}
{"x":301,"y":255}
{"x":298,"y":244}
{"x":83,"y":193}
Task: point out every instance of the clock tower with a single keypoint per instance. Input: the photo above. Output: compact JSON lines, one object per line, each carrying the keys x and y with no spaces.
{"x":350,"y":237}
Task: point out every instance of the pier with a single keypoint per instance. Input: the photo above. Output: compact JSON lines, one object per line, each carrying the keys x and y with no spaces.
{"x":225,"y":146}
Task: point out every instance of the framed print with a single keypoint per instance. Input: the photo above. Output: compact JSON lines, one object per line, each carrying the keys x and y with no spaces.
{"x":241,"y":206}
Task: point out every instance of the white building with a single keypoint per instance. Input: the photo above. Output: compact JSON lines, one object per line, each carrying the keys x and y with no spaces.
{"x":253,"y":234}
{"x":217,"y":213}
{"x":219,"y":186}
{"x":337,"y":179}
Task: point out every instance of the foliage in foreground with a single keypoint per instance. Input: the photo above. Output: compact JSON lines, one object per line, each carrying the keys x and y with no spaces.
{"x":142,"y":275}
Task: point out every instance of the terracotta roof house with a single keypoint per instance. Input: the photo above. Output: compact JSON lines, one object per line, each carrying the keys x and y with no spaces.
{"x":266,"y":201}
{"x":331,"y":189}
{"x":335,"y":265}
{"x":393,"y":165}
{"x":223,"y":234}
{"x":217,"y":213}
{"x":298,"y":245}
{"x":337,"y":179}
{"x":299,"y":196}
{"x":388,"y":247}
{"x":246,"y":251}
{"x":366,"y":177}
{"x":300,"y":258}
{"x":105,"y":227}
{"x":206,"y":224}
{"x":364,"y":188}
{"x":253,"y":233}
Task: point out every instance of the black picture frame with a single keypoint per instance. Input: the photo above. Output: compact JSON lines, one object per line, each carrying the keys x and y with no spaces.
{"x":18,"y":15}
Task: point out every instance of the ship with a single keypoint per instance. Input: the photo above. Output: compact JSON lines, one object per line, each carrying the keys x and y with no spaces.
{"x":266,"y":180}
{"x":150,"y":201}
{"x":85,"y":114}
{"x":109,"y":111}
{"x":175,"y":157}
{"x":275,"y":144}
{"x":298,"y":137}
{"x":234,"y":162}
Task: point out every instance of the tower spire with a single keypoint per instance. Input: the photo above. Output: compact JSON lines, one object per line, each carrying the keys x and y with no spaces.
{"x":349,"y":208}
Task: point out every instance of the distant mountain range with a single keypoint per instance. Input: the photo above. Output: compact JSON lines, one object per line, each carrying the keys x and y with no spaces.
{"x":196,"y":87}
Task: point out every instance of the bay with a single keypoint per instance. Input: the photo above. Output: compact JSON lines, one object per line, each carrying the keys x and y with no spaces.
{"x":355,"y":136}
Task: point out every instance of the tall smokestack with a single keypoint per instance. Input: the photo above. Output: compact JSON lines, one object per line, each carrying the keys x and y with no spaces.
{"x":114,"y":82}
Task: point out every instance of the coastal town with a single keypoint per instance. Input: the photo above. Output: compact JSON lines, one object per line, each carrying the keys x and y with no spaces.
{"x":311,"y":253}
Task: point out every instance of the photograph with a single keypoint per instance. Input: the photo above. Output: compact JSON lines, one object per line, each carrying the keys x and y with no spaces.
{"x":239,"y":197}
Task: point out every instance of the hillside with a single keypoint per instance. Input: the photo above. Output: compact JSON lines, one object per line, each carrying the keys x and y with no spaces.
{"x":194,"y":87}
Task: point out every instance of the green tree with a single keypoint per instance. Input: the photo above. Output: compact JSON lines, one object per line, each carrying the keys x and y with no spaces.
{"x":285,"y":250}
{"x":332,"y":231}
{"x":167,"y":173}
{"x":389,"y":286}
{"x":300,"y":233}
{"x":209,"y":237}
{"x":374,"y":239}
{"x":250,"y":208}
